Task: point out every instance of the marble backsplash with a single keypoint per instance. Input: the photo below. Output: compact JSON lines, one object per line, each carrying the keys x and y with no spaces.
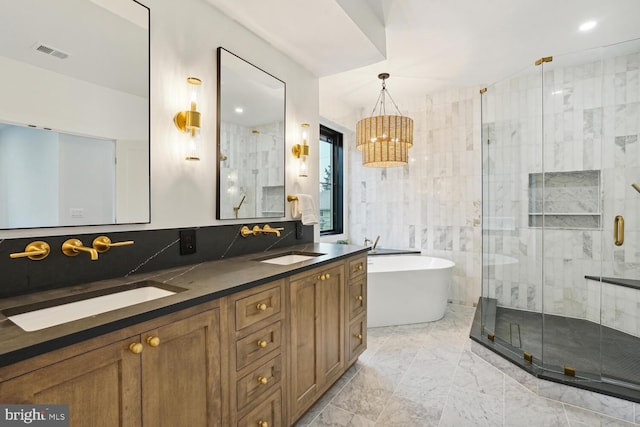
{"x":153,"y":250}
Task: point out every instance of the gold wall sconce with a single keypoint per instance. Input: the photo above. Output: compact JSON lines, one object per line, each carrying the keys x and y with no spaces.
{"x":189,"y":121}
{"x":301,"y":151}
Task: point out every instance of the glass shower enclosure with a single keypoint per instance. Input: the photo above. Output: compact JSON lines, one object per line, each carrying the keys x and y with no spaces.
{"x":561,"y":216}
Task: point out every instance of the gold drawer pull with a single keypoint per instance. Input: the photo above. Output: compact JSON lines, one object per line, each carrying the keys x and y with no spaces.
{"x":263,"y":423}
{"x":153,"y":341}
{"x":328,"y":276}
{"x":262,"y":343}
{"x":359,"y":336}
{"x":263,"y":380}
{"x":321,"y":277}
{"x":359,"y":297}
{"x":357,"y":267}
{"x":136,"y":348}
{"x":261,"y":306}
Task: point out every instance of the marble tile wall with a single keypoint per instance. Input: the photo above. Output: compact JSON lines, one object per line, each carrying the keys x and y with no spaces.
{"x":591,"y":121}
{"x":433,"y":203}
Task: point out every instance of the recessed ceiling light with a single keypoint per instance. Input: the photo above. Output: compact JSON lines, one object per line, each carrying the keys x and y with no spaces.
{"x":239,"y":110}
{"x":587,"y":26}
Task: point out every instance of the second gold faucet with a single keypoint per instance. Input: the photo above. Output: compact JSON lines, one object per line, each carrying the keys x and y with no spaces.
{"x":73,"y":247}
{"x":246,"y":231}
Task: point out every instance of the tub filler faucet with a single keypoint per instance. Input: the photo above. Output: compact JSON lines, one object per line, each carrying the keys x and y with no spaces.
{"x":368,"y":241}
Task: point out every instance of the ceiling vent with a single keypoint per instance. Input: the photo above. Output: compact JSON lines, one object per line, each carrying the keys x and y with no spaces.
{"x":48,"y":50}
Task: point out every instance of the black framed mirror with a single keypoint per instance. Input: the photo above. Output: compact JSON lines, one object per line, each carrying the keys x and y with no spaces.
{"x":74,"y":113}
{"x":250,"y":140}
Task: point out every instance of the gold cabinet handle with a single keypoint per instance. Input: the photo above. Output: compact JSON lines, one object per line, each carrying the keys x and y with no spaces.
{"x":263,"y":380}
{"x":153,"y":341}
{"x":262,"y":343}
{"x":263,"y":423}
{"x":618,"y":230}
{"x":359,"y":336}
{"x":35,"y":251}
{"x":103,"y":243}
{"x":261,"y":306}
{"x":328,"y":276}
{"x":358,"y":267}
{"x":359,"y":298}
{"x":136,"y":348}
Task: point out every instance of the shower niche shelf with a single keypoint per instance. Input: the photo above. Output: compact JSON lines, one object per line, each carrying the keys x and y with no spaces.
{"x":565,"y":200}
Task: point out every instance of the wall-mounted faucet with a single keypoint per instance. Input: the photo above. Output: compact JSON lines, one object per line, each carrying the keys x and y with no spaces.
{"x":73,"y":247}
{"x":246,"y":231}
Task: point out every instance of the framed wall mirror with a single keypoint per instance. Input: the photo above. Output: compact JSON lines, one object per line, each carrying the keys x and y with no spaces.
{"x":251,"y":140}
{"x":74,"y":113}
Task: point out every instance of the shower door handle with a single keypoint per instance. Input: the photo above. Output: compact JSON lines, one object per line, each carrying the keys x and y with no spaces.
{"x":618,"y":230}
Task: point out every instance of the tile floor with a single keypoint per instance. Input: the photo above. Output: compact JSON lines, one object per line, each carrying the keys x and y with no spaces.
{"x":426,"y":375}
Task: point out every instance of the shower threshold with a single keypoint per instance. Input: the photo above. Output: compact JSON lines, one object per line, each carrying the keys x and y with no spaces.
{"x":567,"y":342}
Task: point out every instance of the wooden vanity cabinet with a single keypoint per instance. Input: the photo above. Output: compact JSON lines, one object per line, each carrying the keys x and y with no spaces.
{"x":259,"y":357}
{"x":165,"y":372}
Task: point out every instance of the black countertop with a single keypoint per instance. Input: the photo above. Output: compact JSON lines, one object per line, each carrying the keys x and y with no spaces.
{"x":202,"y":282}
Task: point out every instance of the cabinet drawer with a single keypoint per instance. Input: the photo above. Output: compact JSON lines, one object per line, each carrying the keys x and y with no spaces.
{"x":357,"y":338}
{"x":259,"y":381}
{"x":257,"y":344}
{"x":357,"y":297}
{"x":358,"y":267}
{"x":257,"y":307}
{"x":268,"y":413}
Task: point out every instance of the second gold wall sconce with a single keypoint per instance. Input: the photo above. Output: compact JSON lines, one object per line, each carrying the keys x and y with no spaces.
{"x":189,"y":121}
{"x":301,"y":151}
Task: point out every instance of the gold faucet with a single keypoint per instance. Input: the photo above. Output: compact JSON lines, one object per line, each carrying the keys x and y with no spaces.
{"x":103,"y":243}
{"x":268,"y":229}
{"x":73,"y":247}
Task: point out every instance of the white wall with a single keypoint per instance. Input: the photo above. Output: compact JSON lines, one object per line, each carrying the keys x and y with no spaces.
{"x":184,"y":38}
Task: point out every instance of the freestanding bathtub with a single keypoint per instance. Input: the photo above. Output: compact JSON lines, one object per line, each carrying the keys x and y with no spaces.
{"x":404,"y":289}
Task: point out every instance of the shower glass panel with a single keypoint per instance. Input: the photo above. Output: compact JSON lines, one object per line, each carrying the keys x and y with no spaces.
{"x":620,"y":154}
{"x":512,"y":251}
{"x":570,"y":213}
{"x":561,"y":217}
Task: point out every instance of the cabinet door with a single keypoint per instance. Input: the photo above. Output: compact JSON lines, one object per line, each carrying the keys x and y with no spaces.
{"x":304,"y":362}
{"x":330,"y":290}
{"x":181,"y":375}
{"x":317,"y":334}
{"x":101,"y":387}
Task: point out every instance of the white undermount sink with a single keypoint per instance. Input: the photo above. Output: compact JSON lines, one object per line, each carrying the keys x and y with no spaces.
{"x":289,"y":258}
{"x":30,"y":318}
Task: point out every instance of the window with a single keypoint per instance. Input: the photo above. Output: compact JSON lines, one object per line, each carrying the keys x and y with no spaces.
{"x":331,"y":181}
